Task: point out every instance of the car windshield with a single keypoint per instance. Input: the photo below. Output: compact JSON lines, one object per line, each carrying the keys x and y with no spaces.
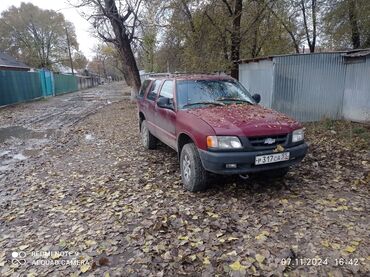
{"x":196,"y":93}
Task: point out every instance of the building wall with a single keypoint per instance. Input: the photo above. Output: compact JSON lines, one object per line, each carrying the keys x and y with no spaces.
{"x":356,"y":102}
{"x":310,"y":87}
{"x":257,"y":77}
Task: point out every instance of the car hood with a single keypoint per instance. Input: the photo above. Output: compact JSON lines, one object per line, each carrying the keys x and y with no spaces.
{"x":245,"y":119}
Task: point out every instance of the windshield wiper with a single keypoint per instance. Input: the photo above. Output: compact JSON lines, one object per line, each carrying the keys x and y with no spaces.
{"x":205,"y":103}
{"x":233,"y":99}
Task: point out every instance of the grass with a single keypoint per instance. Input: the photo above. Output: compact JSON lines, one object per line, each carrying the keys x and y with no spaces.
{"x":354,"y":133}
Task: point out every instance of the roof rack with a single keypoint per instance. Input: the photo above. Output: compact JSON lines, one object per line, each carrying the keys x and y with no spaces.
{"x":171,"y":74}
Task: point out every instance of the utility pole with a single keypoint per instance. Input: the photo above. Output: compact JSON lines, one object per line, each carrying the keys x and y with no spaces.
{"x":69,"y":51}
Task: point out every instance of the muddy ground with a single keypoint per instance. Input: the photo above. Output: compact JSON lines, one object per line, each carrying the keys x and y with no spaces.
{"x":75,"y":180}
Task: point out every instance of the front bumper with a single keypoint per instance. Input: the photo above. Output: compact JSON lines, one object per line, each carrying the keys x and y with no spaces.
{"x":216,"y":161}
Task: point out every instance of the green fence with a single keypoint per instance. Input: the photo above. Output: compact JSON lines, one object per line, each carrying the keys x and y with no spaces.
{"x":19,"y":86}
{"x":47,"y":82}
{"x":65,"y":83}
{"x":22,"y":86}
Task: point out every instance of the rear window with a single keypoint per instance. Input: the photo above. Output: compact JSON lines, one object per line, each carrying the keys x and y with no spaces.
{"x":152,"y":94}
{"x":144,"y":87}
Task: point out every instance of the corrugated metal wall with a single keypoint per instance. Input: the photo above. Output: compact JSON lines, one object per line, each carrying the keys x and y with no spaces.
{"x":47,"y":82}
{"x":257,"y":77}
{"x":65,"y":83}
{"x":19,"y":86}
{"x":356,"y":103}
{"x":309,"y":87}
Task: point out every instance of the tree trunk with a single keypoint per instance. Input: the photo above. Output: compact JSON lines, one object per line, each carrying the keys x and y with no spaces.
{"x":314,"y":26}
{"x":128,"y":58}
{"x":356,"y":42}
{"x":311,"y":44}
{"x":235,"y":38}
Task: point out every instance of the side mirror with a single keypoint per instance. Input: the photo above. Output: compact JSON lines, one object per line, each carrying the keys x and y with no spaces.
{"x":257,"y":97}
{"x":165,"y":103}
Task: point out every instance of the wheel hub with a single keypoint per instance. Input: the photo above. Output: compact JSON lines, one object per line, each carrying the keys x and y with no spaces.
{"x":186,"y":168}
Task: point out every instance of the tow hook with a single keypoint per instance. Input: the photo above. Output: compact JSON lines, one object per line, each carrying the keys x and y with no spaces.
{"x":244,"y":177}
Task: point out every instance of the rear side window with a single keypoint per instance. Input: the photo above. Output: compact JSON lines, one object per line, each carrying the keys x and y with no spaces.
{"x":144,"y":87}
{"x":152,"y":94}
{"x":167,"y":90}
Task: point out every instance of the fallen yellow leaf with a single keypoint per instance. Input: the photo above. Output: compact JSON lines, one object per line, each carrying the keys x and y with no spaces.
{"x":22,"y":247}
{"x":284,"y":201}
{"x":84,"y":268}
{"x":90,"y":242}
{"x":237,"y":266}
{"x":206,"y":261}
{"x":335,"y":245}
{"x":260,"y":258}
{"x":355,"y":243}
{"x":232,"y":253}
{"x":350,"y":249}
{"x":213,"y":215}
{"x":325,"y":243}
{"x":263,"y":235}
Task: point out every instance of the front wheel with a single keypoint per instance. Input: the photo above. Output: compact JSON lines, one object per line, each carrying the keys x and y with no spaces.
{"x":149,"y":141}
{"x":194,"y":176}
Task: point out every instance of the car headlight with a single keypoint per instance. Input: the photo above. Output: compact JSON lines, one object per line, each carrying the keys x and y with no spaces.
{"x":223,"y":142}
{"x":298,"y":135}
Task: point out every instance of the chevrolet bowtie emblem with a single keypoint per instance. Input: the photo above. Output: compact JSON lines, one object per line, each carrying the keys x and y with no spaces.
{"x":269,"y":141}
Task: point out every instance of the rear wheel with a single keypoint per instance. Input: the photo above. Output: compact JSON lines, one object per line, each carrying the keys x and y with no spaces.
{"x":149,"y":141}
{"x":194,"y":176}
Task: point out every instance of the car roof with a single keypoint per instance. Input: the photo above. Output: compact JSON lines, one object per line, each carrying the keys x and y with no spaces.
{"x":190,"y":77}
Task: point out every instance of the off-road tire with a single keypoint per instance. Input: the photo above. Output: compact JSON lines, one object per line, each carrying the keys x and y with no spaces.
{"x":149,"y":141}
{"x":194,"y":177}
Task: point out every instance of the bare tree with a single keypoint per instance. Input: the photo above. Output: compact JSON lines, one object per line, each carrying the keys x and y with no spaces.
{"x":116,"y":22}
{"x":234,"y":11}
{"x":353,"y":20}
{"x":310,"y":28}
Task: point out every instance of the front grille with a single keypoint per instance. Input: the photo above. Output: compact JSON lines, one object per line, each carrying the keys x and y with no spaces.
{"x":262,"y":142}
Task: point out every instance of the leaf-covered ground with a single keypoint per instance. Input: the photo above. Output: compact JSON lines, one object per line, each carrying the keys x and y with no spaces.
{"x":96,"y":191}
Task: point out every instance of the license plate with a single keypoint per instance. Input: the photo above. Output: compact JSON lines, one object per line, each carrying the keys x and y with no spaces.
{"x":272,"y":158}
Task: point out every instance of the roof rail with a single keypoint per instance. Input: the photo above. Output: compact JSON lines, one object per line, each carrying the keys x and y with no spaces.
{"x":171,"y":74}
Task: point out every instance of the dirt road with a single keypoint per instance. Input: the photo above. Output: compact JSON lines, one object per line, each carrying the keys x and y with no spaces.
{"x":27,"y":128}
{"x":114,"y":208}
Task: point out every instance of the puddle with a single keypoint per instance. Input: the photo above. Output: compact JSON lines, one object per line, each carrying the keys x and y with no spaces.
{"x":22,"y":133}
{"x":4,"y":153}
{"x":19,"y":157}
{"x":89,"y":137}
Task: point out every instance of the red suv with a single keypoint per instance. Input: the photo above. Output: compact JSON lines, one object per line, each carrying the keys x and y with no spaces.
{"x":216,"y":126}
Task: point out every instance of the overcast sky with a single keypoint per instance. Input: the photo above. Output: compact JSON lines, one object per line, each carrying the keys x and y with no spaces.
{"x":83,"y":30}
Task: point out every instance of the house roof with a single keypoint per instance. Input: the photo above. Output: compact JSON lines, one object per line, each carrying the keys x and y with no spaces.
{"x":357,"y":53}
{"x":9,"y":61}
{"x":350,"y":54}
{"x":257,"y":59}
